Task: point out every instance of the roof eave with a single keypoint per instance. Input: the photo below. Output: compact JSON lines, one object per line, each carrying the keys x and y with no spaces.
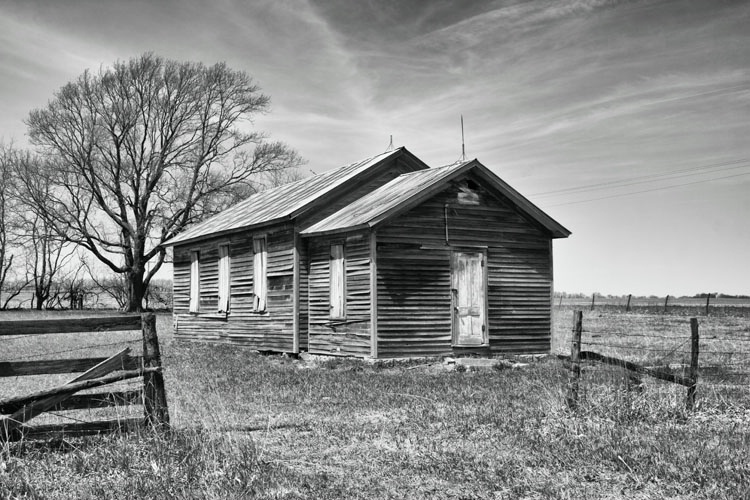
{"x":337,"y":230}
{"x":555,"y":229}
{"x":176,"y":242}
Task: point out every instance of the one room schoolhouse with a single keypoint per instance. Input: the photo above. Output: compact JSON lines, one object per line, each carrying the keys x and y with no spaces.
{"x":382,"y":258}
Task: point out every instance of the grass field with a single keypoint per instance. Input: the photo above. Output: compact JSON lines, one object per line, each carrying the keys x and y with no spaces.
{"x":253,"y":426}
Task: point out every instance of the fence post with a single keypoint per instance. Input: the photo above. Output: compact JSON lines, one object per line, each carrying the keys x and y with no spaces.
{"x":154,"y":394}
{"x":666,"y":301}
{"x":593,"y":298}
{"x":708,"y":301}
{"x":627,"y":307}
{"x":575,"y":360}
{"x":690,"y":401}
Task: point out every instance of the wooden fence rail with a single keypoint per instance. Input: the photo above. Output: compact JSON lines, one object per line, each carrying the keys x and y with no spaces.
{"x":577,"y":355}
{"x":96,"y":372}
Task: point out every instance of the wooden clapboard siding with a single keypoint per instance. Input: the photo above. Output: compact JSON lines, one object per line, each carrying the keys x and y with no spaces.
{"x":414,"y":302}
{"x":349,"y":336}
{"x":304,"y":268}
{"x":180,"y":281}
{"x":520,"y":282}
{"x":208,"y":263}
{"x":413,"y":269}
{"x":270,"y":330}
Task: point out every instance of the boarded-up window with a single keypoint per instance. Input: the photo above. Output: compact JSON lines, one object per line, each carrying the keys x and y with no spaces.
{"x":260,"y":281}
{"x":195,"y":280}
{"x":338,"y":281}
{"x":223,"y":278}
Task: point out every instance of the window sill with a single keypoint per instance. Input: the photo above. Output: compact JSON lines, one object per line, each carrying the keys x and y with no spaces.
{"x":216,"y":315}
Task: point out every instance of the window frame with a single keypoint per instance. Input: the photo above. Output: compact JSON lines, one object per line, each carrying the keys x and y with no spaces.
{"x":224,"y":275}
{"x":337,"y":287}
{"x":260,"y":273}
{"x":194,"y":290}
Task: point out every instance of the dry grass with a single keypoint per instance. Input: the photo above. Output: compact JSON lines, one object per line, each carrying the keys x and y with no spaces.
{"x":252,"y":426}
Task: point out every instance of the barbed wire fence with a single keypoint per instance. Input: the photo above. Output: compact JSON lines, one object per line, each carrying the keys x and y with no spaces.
{"x":640,"y":362}
{"x":703,"y":304}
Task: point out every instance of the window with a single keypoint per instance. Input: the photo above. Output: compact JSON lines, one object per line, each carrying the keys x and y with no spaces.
{"x":195,"y":280}
{"x":260,"y":283}
{"x":338,"y":281}
{"x":223,"y":278}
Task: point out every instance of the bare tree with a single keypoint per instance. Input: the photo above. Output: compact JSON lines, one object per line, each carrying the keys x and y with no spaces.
{"x":69,"y":290}
{"x":47,"y":254}
{"x":11,"y":281}
{"x":115,"y":286}
{"x":145,"y":148}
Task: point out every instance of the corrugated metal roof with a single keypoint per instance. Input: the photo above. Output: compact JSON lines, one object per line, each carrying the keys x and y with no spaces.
{"x":280,"y":202}
{"x":410,"y":189}
{"x":375,"y":206}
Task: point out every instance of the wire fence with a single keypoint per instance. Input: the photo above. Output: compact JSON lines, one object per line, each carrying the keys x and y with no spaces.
{"x":708,"y":304}
{"x":661,"y":344}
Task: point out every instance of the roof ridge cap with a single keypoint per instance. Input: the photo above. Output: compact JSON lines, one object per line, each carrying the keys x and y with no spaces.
{"x":430,"y":169}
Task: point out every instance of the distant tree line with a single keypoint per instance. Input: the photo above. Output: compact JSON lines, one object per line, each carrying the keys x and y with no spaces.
{"x":719,"y":296}
{"x":566,"y":295}
{"x":124,"y":159}
{"x":72,"y":293}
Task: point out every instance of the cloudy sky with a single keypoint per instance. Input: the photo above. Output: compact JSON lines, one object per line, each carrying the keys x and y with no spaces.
{"x":627,"y":121}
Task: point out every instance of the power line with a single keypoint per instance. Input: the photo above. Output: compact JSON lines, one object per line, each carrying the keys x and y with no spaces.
{"x":641,"y":179}
{"x":662,"y":188}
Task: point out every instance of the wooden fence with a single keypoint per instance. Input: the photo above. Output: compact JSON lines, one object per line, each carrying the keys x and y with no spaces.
{"x":577,"y":355}
{"x":97,"y":372}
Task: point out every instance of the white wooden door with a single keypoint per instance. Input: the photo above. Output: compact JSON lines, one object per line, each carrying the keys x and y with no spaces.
{"x":469,"y":299}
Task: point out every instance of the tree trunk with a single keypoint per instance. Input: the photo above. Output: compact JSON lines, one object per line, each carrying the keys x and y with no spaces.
{"x":40,"y":296}
{"x":136,"y":290}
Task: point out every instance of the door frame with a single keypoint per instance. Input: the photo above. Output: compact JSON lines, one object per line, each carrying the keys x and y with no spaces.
{"x":453,"y":292}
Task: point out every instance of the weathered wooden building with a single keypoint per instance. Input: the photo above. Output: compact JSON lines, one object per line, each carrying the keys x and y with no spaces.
{"x":241,"y":276}
{"x":382,"y":258}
